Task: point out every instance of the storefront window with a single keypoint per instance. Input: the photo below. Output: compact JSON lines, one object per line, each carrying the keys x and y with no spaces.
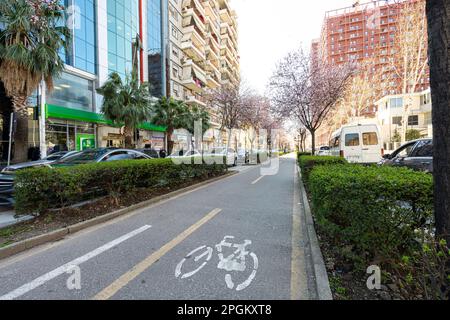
{"x":72,"y":92}
{"x":69,"y":136}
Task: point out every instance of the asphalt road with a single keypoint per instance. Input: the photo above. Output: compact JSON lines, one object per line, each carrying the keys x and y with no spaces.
{"x":145,"y":255}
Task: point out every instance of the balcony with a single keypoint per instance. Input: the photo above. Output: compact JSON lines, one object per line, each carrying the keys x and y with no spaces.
{"x":213,"y":82}
{"x":211,"y":10}
{"x":196,"y":5}
{"x":196,"y":99}
{"x":193,"y":44}
{"x":191,"y":18}
{"x":225,"y":16}
{"x":193,"y":77}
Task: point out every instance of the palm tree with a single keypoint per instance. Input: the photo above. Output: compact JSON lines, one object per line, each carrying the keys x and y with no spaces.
{"x":31,"y":35}
{"x":439,"y":59}
{"x":126,"y":103}
{"x":173,"y":115}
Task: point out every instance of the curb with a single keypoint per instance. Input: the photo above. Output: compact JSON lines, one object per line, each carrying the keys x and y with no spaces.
{"x":60,"y":234}
{"x":320,"y":271}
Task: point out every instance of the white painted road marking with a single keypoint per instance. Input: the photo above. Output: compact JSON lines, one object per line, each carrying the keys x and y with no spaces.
{"x":126,"y":278}
{"x":257,"y":180}
{"x":234,"y":262}
{"x":69,"y":266}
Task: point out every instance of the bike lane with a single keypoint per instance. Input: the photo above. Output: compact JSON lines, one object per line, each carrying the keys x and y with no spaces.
{"x":260,"y":213}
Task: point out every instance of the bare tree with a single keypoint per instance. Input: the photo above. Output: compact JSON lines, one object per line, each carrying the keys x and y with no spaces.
{"x":306,"y":92}
{"x":230,"y":101}
{"x":409,"y":60}
{"x":256,"y":115}
{"x":438,"y":13}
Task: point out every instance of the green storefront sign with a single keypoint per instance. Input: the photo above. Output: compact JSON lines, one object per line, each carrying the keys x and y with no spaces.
{"x":85,"y":142}
{"x":59,"y":112}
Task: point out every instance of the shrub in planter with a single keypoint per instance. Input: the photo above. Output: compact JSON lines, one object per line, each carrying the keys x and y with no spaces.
{"x":376,"y":211}
{"x":39,"y":189}
{"x":301,"y":154}
{"x":307,"y":163}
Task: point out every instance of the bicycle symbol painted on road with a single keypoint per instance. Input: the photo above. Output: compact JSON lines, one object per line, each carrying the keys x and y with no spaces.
{"x":235,"y":262}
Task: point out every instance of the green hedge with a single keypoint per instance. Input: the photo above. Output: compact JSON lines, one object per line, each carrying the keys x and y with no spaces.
{"x":374,"y":211}
{"x":307,"y":164}
{"x":301,"y":154}
{"x":39,"y":189}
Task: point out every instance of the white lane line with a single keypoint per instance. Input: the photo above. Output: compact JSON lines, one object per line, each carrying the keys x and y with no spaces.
{"x":257,"y":180}
{"x":69,"y":266}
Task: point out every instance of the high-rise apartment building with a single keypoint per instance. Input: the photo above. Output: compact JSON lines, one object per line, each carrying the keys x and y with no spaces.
{"x":366,"y":32}
{"x":203,"y":51}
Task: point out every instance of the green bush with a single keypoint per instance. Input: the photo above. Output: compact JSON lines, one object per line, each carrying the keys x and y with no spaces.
{"x":307,"y":164}
{"x":374,"y":211}
{"x":37,"y":190}
{"x":301,"y":154}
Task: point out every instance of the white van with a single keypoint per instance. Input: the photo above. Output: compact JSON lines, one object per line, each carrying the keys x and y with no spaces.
{"x":358,"y":143}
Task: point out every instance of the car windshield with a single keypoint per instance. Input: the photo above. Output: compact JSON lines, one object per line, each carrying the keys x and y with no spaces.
{"x":55,"y":156}
{"x":84,"y":157}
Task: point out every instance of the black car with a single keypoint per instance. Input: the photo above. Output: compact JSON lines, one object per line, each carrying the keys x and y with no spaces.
{"x":83,"y":157}
{"x":417,"y":155}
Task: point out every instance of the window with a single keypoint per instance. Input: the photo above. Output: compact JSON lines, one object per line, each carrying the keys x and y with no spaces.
{"x":370,"y":139}
{"x":352,"y":140}
{"x":396,"y":102}
{"x":404,"y":151}
{"x":423,"y":149}
{"x":72,"y":92}
{"x":335,"y":143}
{"x":397,"y":120}
{"x":413,"y":120}
{"x":174,"y":33}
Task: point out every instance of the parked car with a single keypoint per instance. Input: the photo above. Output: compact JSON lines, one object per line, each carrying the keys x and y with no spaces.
{"x":46,"y":161}
{"x":152,"y":153}
{"x":324,"y":151}
{"x":101,"y":155}
{"x":231,"y":155}
{"x":83,"y":157}
{"x":185,"y":154}
{"x":357,"y":143}
{"x":417,"y":155}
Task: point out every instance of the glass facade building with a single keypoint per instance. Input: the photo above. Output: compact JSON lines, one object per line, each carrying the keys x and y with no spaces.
{"x":80,"y":18}
{"x":123,"y":26}
{"x":103,"y":35}
{"x":156,"y":69}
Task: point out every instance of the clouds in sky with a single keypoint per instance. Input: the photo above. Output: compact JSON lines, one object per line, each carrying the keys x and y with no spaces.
{"x":268,"y":29}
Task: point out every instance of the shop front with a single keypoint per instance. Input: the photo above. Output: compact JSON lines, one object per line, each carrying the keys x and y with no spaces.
{"x":76,"y":130}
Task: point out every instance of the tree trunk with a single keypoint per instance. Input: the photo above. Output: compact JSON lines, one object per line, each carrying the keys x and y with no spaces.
{"x":128,"y":135}
{"x":169,"y":141}
{"x":20,"y":107}
{"x":313,"y":141}
{"x":438,"y":15}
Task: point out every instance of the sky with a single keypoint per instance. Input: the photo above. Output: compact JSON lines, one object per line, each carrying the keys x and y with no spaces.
{"x":269,"y":29}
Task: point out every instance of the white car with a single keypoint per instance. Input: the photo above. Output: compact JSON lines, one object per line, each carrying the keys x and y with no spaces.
{"x":187,"y":154}
{"x":231,"y":155}
{"x":324,"y":151}
{"x":358,"y":143}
